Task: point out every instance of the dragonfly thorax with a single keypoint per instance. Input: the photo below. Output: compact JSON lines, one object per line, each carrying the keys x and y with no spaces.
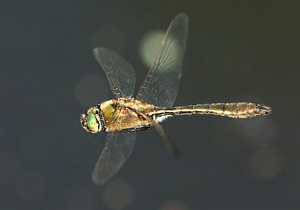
{"x":125,"y":115}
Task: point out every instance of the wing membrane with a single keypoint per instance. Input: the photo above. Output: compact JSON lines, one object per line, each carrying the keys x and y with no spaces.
{"x":161,"y":84}
{"x":120,"y":73}
{"x":116,"y":151}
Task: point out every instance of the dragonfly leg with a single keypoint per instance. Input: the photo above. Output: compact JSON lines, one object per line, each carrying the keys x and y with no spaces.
{"x":171,"y":147}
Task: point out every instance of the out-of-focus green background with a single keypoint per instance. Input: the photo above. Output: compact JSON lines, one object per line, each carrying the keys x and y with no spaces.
{"x":236,"y":51}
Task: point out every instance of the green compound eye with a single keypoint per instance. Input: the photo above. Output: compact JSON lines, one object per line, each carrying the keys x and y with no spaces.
{"x":92,"y":122}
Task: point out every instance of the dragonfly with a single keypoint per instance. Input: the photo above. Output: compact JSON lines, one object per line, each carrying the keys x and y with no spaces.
{"x":123,"y":116}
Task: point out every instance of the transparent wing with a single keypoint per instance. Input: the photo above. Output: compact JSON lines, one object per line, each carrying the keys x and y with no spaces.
{"x":116,"y":151}
{"x":120,"y":73}
{"x":161,"y":84}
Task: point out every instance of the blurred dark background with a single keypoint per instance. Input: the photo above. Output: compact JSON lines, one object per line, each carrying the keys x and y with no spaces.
{"x":236,"y":51}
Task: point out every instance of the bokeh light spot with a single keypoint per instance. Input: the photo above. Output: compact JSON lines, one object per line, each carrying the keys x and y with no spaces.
{"x":91,"y":90}
{"x":108,"y":36}
{"x":174,"y":205}
{"x":259,"y":131}
{"x":149,"y":46}
{"x":117,"y":194}
{"x":265,"y":163}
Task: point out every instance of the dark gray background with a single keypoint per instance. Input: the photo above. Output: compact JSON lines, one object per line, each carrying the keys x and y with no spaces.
{"x":236,"y":51}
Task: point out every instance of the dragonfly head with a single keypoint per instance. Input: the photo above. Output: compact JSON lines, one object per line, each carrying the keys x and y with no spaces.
{"x":91,"y":120}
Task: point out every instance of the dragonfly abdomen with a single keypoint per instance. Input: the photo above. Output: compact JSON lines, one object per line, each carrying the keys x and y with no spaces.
{"x":234,"y":110}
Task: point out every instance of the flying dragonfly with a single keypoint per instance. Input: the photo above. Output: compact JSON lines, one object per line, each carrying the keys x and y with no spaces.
{"x":121,"y":117}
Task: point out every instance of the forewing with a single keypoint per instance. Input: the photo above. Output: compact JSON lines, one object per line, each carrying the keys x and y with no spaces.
{"x":116,"y":151}
{"x":161,"y":84}
{"x":120,"y":73}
